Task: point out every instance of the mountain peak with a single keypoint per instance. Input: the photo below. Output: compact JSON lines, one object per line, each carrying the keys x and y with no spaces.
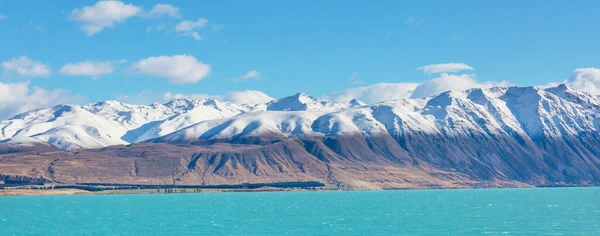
{"x":104,"y":104}
{"x":112,"y":102}
{"x":356,"y":103}
{"x":303,"y":97}
{"x":443,"y":99}
{"x":305,"y":102}
{"x":180,"y":103}
{"x":297,"y":102}
{"x":563,"y":86}
{"x":57,"y":109}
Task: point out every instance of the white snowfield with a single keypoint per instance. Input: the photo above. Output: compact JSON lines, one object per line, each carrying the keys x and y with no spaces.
{"x":521,"y":114}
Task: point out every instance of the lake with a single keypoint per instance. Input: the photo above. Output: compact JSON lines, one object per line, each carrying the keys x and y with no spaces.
{"x":548,"y":211}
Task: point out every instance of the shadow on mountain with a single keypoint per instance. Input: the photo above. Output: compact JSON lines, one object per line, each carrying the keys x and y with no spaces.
{"x":356,"y":161}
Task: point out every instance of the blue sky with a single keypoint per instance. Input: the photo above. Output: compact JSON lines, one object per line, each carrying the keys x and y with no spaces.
{"x":316,"y":47}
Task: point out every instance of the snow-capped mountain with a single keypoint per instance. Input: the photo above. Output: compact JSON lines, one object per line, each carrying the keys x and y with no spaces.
{"x":64,"y":126}
{"x":517,"y":116}
{"x":524,"y":113}
{"x":107,"y":123}
{"x":304,"y":102}
{"x":102,"y":124}
{"x":530,"y":134}
{"x":479,"y":137}
{"x":198,"y":111}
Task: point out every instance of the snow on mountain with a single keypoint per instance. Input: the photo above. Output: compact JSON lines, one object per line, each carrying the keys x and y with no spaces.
{"x":132,"y":116}
{"x":102,"y":124}
{"x":250,"y":124}
{"x":304,"y":102}
{"x":65,"y":126}
{"x":203,"y":110}
{"x":526,"y":117}
{"x":289,"y":116}
{"x":522,"y":114}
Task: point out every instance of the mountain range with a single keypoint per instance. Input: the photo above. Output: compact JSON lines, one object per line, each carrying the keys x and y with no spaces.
{"x":493,"y":137}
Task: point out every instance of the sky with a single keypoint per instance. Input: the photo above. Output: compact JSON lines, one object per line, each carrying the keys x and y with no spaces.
{"x":250,"y":51}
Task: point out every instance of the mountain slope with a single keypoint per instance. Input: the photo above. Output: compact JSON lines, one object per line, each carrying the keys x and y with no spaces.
{"x":514,"y":136}
{"x":529,"y":134}
{"x":65,"y":126}
{"x":102,"y":124}
{"x":304,"y":102}
{"x":200,"y":111}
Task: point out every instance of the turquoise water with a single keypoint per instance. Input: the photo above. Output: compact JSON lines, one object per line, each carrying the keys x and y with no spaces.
{"x":555,"y":211}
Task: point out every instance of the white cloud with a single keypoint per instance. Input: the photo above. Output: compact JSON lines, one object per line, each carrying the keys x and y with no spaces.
{"x":178,"y":69}
{"x":16,"y":98}
{"x":247,"y":97}
{"x":3,"y":17}
{"x":103,"y":14}
{"x":253,"y":74}
{"x":168,"y":96}
{"x":239,"y":97}
{"x":25,"y":67}
{"x":189,"y":28}
{"x":143,"y":97}
{"x":374,"y":93}
{"x":447,"y":81}
{"x":188,"y":25}
{"x":585,"y":79}
{"x":414,"y":21}
{"x":94,"y":69}
{"x":394,"y":91}
{"x":451,"y":82}
{"x":149,"y":97}
{"x":444,"y":68}
{"x":164,"y":9}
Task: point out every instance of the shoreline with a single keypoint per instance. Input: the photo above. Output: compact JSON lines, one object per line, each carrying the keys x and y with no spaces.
{"x":18,"y":189}
{"x":74,"y":191}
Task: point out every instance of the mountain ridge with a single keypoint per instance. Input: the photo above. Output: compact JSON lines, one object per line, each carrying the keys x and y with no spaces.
{"x":494,"y":137}
{"x":137,"y":123}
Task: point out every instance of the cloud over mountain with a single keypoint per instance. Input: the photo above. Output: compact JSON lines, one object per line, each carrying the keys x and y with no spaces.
{"x":177,"y":69}
{"x":168,"y":96}
{"x":374,"y":93}
{"x":447,"y":82}
{"x":445,"y":68}
{"x":247,"y":97}
{"x":393,"y":91}
{"x":20,"y":97}
{"x":585,"y":79}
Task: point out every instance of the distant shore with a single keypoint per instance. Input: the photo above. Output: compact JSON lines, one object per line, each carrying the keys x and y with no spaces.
{"x":104,"y":188}
{"x":108,"y":189}
{"x":66,"y":191}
